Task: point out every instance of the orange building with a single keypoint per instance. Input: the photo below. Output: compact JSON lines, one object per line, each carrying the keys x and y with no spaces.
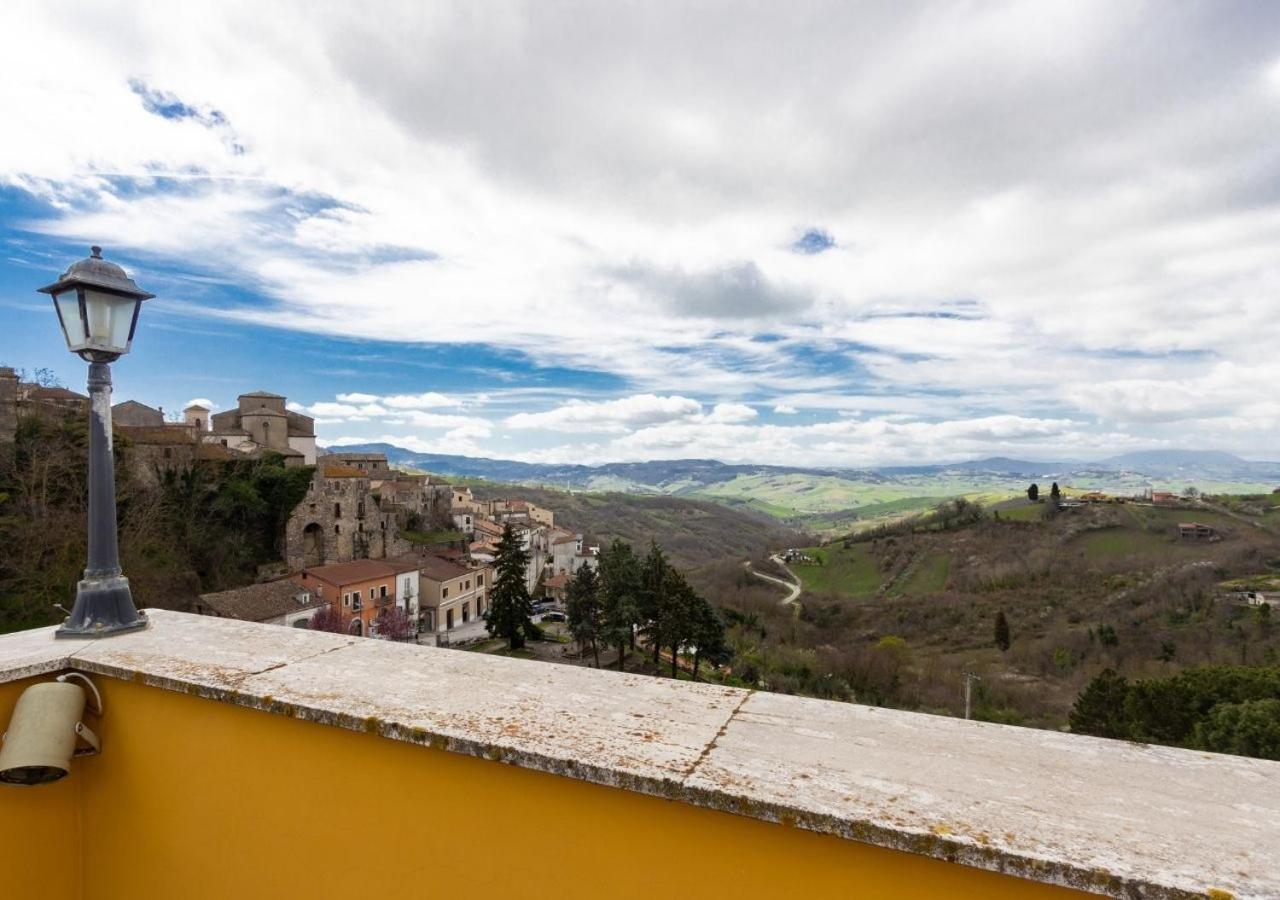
{"x":359,"y":590}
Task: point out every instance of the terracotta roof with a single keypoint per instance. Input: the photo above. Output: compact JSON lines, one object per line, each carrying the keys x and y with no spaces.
{"x":405,"y":562}
{"x":259,"y":602}
{"x":333,"y":471}
{"x":556,"y":581}
{"x":486,"y":525}
{"x":217,"y":451}
{"x":566,"y":540}
{"x":156,"y":434}
{"x":351,"y":572}
{"x":438,"y":569}
{"x":40,"y":392}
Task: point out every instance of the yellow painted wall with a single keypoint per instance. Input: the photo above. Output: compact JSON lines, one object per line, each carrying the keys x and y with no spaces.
{"x":39,"y":828}
{"x":198,"y":799}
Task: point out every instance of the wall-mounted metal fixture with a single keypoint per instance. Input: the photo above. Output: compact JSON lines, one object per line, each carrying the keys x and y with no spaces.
{"x":46,"y":731}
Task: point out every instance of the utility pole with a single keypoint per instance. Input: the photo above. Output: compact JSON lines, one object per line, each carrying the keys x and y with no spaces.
{"x":969,"y":679}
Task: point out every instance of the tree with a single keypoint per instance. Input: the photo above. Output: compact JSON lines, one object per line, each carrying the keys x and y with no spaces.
{"x":619,"y":587}
{"x":1002,"y":632}
{"x":1033,"y":493}
{"x":1250,"y":728}
{"x":327,"y":618}
{"x":510,"y":613}
{"x":1100,"y":708}
{"x":675,"y":626}
{"x":584,"y":611}
{"x":708,"y":636}
{"x":394,"y":624}
{"x":1054,"y":493}
{"x":653,"y":598}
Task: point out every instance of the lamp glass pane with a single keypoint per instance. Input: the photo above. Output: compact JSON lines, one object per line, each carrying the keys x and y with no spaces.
{"x":68,"y":303}
{"x":109,"y":319}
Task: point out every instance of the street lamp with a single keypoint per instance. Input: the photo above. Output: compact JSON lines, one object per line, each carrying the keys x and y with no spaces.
{"x":97,"y":305}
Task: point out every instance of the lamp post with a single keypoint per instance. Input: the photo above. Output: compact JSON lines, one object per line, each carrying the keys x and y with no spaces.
{"x":97,"y":305}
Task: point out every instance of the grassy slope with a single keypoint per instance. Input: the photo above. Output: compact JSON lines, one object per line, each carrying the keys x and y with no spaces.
{"x":1058,"y":581}
{"x":695,"y":533}
{"x":850,"y":572}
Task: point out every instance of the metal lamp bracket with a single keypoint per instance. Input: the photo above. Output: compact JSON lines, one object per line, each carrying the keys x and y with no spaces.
{"x":90,"y":740}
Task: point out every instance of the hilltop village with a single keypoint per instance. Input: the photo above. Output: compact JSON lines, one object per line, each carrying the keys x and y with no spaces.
{"x":365,"y":540}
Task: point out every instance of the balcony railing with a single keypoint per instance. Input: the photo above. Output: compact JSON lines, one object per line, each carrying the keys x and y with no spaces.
{"x":776,"y":796}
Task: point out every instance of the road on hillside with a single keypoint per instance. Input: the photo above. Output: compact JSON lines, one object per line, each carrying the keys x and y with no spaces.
{"x":793,"y":587}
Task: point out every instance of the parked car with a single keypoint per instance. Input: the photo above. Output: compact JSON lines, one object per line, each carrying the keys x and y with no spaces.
{"x":553,"y":616}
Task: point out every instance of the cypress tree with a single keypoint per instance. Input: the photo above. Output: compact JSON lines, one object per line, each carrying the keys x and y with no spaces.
{"x":1002,"y":631}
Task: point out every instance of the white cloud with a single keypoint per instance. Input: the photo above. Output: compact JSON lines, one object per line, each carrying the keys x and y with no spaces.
{"x":428,"y":400}
{"x":581,"y":416}
{"x":731,"y":413}
{"x":201,"y":401}
{"x":1025,"y":221}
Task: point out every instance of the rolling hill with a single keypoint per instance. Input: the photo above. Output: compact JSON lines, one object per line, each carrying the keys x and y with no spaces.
{"x":831,"y":499}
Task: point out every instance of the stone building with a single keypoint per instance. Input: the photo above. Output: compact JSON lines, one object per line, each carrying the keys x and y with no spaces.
{"x":261,"y":421}
{"x":375,"y":464}
{"x":133,"y":414}
{"x":340,"y":519}
{"x":19,"y":399}
{"x":8,"y":405}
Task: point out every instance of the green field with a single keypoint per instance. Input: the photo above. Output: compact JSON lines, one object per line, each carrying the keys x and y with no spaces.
{"x":852,"y":572}
{"x":928,"y":576}
{"x":1030,"y":512}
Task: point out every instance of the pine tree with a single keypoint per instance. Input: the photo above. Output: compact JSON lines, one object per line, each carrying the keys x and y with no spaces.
{"x":510,"y":608}
{"x":1002,"y":631}
{"x":584,"y":610}
{"x":675,"y":624}
{"x":654,"y":598}
{"x":708,"y":636}
{"x":619,"y":587}
{"x":1100,"y":708}
{"x":1033,"y":493}
{"x":1054,"y":493}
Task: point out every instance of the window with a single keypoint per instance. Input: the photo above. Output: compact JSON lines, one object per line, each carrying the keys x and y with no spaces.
{"x":466,"y":612}
{"x":337,"y":510}
{"x":313,"y":507}
{"x":337,"y":529}
{"x":382,"y":590}
{"x":466,"y":586}
{"x":479,"y":581}
{"x":360,"y":527}
{"x":346,"y":599}
{"x":373,"y":593}
{"x":444,"y":594}
{"x":448,"y":618}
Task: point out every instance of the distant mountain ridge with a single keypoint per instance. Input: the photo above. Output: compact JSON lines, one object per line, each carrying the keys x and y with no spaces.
{"x":660,"y":475}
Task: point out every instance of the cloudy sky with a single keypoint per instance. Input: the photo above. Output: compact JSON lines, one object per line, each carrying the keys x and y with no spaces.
{"x":811,"y":233}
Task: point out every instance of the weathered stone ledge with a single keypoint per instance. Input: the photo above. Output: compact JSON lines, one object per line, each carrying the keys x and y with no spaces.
{"x":1118,"y":819}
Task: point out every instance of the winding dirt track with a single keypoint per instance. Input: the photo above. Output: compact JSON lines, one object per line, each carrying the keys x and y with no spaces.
{"x":793,"y":587}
